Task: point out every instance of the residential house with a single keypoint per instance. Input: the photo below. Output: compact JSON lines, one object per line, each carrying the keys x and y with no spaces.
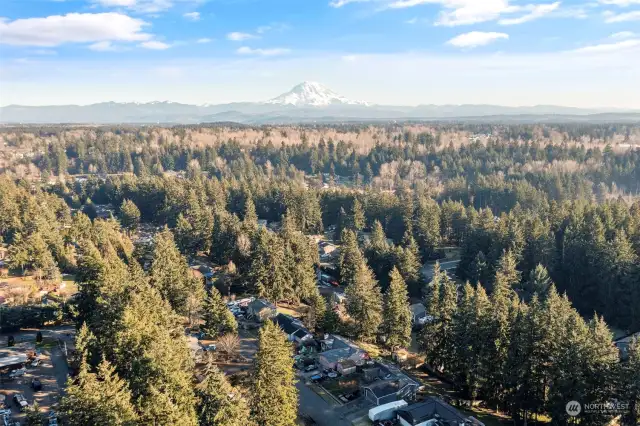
{"x":623,"y":344}
{"x":261,"y":310}
{"x":433,"y":411}
{"x":293,"y":328}
{"x":337,"y":349}
{"x":387,"y":384}
{"x":386,"y":391}
{"x":346,"y":367}
{"x":419,"y":315}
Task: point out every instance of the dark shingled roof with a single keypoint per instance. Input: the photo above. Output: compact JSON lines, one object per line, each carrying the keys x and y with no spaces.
{"x":430,"y":408}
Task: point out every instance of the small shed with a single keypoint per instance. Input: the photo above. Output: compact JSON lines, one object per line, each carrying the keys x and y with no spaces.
{"x":346,"y":367}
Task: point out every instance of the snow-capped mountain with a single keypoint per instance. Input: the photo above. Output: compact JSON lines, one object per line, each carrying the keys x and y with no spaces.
{"x":310,"y":93}
{"x":306,"y":102}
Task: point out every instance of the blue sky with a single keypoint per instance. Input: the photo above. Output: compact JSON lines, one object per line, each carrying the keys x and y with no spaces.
{"x":509,"y":52}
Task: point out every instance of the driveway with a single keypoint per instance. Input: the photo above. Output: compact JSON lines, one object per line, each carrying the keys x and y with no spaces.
{"x":311,"y":404}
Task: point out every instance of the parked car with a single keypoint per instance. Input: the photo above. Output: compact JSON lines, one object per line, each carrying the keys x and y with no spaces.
{"x":310,"y":368}
{"x":36,"y":385}
{"x":210,"y":348}
{"x":35,"y":362}
{"x":17,"y":373}
{"x":20,"y":401}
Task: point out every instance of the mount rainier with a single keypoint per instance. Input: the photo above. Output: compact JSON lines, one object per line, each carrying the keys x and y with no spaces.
{"x":307,"y":102}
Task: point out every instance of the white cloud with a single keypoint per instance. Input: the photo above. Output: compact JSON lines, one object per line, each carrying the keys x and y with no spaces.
{"x":623,"y":35}
{"x":612,"y":18}
{"x":467,"y":12}
{"x":154,"y":45}
{"x":263,"y":52}
{"x":204,"y":40}
{"x":238,"y":36}
{"x":116,"y":3}
{"x":340,"y":3}
{"x":47,"y":52}
{"x":144,"y":6}
{"x":72,"y":28}
{"x":537,"y":11}
{"x":411,"y":21}
{"x":103,"y":46}
{"x":476,"y":38}
{"x":609,"y":47}
{"x":621,"y":3}
{"x":194,"y":16}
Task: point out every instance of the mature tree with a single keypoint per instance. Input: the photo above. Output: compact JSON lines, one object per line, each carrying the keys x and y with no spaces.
{"x":397,"y":315}
{"x":357,"y":215}
{"x":427,"y":227}
{"x":219,"y":403}
{"x":99,"y":399}
{"x":274,"y":394}
{"x":129,"y":215}
{"x":218,"y":319}
{"x":364,"y":303}
{"x":539,"y":281}
{"x":317,"y":310}
{"x":629,"y":382}
{"x":350,"y":258}
{"x":170,"y":273}
{"x":269,"y":273}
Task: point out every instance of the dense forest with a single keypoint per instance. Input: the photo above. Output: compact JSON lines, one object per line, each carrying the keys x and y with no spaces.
{"x":548,"y":235}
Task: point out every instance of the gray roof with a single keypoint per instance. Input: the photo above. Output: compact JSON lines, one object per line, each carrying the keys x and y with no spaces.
{"x":428,"y":409}
{"x":336,"y":355}
{"x":260,"y":304}
{"x":418,"y":309}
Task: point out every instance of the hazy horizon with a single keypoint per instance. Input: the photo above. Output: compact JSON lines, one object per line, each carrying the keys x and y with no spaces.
{"x":386,"y":52}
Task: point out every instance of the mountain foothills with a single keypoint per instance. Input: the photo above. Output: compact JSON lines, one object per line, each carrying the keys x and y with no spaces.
{"x":306,"y":102}
{"x":543,"y":221}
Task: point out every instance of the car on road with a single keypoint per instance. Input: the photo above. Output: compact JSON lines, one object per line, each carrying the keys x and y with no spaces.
{"x":35,"y":362}
{"x":36,"y":385}
{"x":309,"y":368}
{"x":20,"y":401}
{"x":210,"y":348}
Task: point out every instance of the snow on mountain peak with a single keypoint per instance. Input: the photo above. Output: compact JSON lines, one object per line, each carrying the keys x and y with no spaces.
{"x":310,"y":93}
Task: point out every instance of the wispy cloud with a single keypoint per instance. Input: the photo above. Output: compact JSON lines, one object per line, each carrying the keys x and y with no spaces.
{"x":340,"y":3}
{"x":263,"y":52}
{"x":143,"y":6}
{"x":613,"y":18}
{"x":193,"y":16}
{"x":476,"y":38}
{"x":72,"y":28}
{"x":154,"y":45}
{"x":238,"y":36}
{"x":204,"y":40}
{"x":621,"y":3}
{"x":537,"y":11}
{"x":103,"y":46}
{"x":609,"y":47}
{"x":624,"y":35}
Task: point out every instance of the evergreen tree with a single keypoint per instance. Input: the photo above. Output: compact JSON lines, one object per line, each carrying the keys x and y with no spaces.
{"x":317,"y":311}
{"x":98,"y":399}
{"x":129,"y":215}
{"x":269,"y":272}
{"x":219,"y":403}
{"x":629,"y":382}
{"x":539,"y":281}
{"x":218,"y":319}
{"x":397,"y":315}
{"x":357,"y":215}
{"x":170,"y":273}
{"x":274,"y":394}
{"x":427,"y":227}
{"x":364,"y":303}
{"x":34,"y":417}
{"x":350,"y":258}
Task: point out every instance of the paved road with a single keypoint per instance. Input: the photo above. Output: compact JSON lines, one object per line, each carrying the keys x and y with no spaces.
{"x":320,"y":410}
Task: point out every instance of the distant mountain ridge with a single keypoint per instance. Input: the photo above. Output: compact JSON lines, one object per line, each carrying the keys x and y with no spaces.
{"x":305,"y":102}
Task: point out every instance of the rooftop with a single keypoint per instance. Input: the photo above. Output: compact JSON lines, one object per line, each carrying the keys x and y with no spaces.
{"x":432,"y":408}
